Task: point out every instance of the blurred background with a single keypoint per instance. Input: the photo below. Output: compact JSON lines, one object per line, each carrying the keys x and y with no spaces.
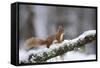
{"x":41,"y":21}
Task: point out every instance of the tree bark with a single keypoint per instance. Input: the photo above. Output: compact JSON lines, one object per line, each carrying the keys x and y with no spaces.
{"x":64,"y":47}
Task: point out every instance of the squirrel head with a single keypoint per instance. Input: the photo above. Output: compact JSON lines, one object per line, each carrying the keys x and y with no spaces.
{"x":61,"y":29}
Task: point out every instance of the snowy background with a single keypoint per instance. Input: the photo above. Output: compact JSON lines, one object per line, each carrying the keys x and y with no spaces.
{"x":42,"y":21}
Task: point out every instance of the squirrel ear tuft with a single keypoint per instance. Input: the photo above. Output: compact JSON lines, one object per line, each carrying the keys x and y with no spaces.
{"x":60,"y":27}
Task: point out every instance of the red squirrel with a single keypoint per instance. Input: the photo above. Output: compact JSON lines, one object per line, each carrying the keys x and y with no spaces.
{"x":58,"y":36}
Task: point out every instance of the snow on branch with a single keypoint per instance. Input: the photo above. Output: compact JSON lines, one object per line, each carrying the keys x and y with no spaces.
{"x":59,"y":49}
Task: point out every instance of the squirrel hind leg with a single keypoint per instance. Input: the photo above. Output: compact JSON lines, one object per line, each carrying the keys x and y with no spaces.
{"x":48,"y":45}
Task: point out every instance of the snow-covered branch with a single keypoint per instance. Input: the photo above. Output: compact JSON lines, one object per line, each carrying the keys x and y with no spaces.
{"x":59,"y":49}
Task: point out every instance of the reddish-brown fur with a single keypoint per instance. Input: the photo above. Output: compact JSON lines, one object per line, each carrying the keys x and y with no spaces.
{"x":34,"y":42}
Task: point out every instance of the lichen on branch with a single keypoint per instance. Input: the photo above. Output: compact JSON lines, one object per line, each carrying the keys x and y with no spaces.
{"x":64,"y":47}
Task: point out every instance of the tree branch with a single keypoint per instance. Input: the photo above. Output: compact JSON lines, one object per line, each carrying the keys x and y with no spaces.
{"x":65,"y":46}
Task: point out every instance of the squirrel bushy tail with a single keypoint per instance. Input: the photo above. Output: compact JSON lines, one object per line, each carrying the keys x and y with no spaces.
{"x":58,"y":36}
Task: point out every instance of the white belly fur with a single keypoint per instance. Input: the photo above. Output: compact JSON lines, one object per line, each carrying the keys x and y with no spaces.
{"x":61,"y":37}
